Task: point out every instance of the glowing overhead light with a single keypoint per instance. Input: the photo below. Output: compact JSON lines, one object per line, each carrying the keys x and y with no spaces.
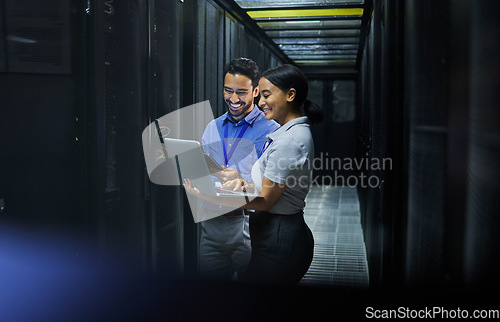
{"x":305,"y":13}
{"x":303,"y":22}
{"x":325,"y":62}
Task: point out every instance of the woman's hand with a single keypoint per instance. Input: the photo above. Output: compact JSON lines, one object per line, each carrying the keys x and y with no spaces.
{"x":228,"y":201}
{"x":270,"y":194}
{"x":238,"y":185}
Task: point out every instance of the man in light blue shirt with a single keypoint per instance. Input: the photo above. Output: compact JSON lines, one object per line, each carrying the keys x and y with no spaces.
{"x":235,"y":141}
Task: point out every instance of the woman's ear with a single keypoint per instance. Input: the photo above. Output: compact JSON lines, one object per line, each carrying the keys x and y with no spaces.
{"x":290,"y":96}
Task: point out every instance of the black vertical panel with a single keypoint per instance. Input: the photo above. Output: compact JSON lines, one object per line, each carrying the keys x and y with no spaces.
{"x":42,"y":152}
{"x":3,"y":49}
{"x":320,"y":132}
{"x":94,"y":118}
{"x":481,"y":265}
{"x":231,"y":39}
{"x":201,"y":56}
{"x":210,"y":55}
{"x":165,"y":96}
{"x":38,"y":36}
{"x":240,"y":42}
{"x":378,"y":140}
{"x":219,"y":61}
{"x":380,"y":137}
{"x":372,"y":136}
{"x":227,"y":37}
{"x":375,"y":144}
{"x":125,"y":78}
{"x":394,"y":195}
{"x":426,"y":42}
{"x":457,"y":139}
{"x":362,"y":123}
{"x":237,"y":44}
{"x":212,"y":82}
{"x":189,"y":83}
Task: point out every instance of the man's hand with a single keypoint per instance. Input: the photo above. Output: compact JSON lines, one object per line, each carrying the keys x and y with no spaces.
{"x":190,"y":188}
{"x":227,"y":174}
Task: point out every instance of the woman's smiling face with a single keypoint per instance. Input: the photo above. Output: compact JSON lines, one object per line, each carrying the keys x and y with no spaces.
{"x":274,"y":102}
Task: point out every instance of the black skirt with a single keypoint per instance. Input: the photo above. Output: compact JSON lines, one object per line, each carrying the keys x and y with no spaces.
{"x":282,"y":248}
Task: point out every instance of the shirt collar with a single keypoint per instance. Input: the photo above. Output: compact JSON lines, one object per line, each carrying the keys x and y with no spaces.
{"x":285,"y":127}
{"x":250,"y":118}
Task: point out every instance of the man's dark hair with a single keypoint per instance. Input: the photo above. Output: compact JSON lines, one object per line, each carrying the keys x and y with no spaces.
{"x":245,"y":67}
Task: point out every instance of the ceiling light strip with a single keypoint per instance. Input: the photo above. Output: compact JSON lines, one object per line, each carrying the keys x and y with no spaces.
{"x":325,"y":62}
{"x":268,"y":4}
{"x":305,"y":13}
{"x":317,"y":41}
{"x":301,"y":47}
{"x":320,"y":52}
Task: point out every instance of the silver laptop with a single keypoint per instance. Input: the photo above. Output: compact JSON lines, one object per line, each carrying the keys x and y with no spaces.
{"x":191,"y":164}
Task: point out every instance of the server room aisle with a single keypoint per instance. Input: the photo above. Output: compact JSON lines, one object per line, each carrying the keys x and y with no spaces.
{"x":339,"y":259}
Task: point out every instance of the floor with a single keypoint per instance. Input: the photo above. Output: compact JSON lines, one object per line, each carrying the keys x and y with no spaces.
{"x":332,"y":214}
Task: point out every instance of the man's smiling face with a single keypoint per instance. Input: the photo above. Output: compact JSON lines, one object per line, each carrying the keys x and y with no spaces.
{"x":239,"y":95}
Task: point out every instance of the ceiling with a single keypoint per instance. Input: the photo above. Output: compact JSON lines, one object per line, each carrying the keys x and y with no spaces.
{"x":320,"y":36}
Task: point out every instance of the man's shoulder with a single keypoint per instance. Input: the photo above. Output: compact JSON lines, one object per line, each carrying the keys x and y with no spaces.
{"x":219,"y":120}
{"x":211,"y":130}
{"x":222,"y":117}
{"x":209,"y":127}
{"x":216,"y":122}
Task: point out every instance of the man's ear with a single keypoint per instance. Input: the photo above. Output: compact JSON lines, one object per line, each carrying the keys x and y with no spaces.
{"x":290,"y":96}
{"x":256,"y":91}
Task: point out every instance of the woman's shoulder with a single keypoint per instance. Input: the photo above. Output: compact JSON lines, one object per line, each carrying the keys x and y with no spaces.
{"x":301,"y":142}
{"x":300,"y":133}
